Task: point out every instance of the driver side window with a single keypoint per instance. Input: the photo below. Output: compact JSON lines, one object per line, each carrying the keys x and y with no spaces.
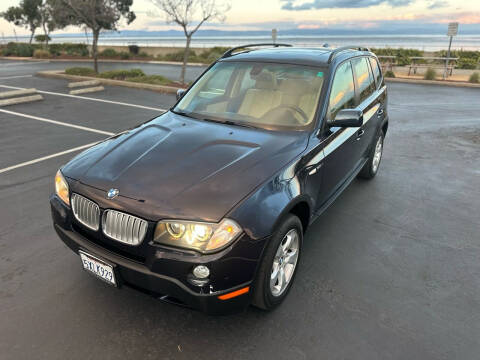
{"x":342,"y":95}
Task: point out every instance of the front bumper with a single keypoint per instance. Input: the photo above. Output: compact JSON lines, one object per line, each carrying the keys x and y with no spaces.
{"x":164,"y":273}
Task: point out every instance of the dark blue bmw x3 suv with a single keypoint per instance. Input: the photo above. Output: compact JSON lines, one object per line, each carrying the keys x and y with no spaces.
{"x":206,"y":205}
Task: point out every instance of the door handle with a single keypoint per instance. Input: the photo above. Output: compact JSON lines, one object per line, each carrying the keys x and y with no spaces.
{"x":360,"y":133}
{"x":315,"y":168}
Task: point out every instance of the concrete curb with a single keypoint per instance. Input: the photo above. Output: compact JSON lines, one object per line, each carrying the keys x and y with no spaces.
{"x":100,"y":61}
{"x":13,"y":93}
{"x":60,"y":74}
{"x":86,"y":90}
{"x":83,"y":83}
{"x":20,"y":100}
{"x":433,"y":82}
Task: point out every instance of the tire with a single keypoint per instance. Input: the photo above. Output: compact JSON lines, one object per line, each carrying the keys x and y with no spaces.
{"x":265,"y":296}
{"x":372,"y":165}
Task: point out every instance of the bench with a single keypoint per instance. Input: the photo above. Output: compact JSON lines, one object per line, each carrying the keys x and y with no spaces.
{"x":440,"y":64}
{"x":387,"y":62}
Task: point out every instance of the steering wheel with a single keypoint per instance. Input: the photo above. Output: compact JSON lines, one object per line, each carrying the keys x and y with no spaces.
{"x":289,"y":107}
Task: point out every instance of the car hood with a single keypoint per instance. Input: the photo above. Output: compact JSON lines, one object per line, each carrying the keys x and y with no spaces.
{"x":177,"y":167}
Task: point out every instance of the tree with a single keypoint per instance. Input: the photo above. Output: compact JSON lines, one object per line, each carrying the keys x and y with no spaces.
{"x":48,"y":21}
{"x":97,"y":15}
{"x":186,"y":12}
{"x":27,"y":14}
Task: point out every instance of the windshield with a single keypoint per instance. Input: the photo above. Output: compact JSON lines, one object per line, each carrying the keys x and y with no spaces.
{"x":264,"y":95}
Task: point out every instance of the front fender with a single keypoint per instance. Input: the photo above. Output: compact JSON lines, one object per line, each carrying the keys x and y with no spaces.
{"x":261,"y":211}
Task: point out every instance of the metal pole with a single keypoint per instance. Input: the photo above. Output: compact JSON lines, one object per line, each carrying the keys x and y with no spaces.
{"x":447,"y":59}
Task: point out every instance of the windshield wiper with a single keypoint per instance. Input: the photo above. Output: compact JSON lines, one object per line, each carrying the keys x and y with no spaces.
{"x":183,"y":113}
{"x":230,"y":122}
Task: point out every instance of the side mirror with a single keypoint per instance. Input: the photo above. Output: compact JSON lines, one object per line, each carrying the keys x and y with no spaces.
{"x":180,"y":93}
{"x":348,"y":118}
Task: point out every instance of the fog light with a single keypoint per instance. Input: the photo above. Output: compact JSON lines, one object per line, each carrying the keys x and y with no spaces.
{"x":201,"y":272}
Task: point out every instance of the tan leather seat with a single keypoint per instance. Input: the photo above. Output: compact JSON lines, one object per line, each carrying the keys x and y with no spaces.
{"x":264,"y":97}
{"x":298,"y":93}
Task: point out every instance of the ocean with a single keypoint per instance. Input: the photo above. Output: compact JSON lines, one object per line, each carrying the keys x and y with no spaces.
{"x":421,"y":42}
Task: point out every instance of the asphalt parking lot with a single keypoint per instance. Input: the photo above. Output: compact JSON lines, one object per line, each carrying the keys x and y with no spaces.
{"x":390,"y":271}
{"x":14,"y":68}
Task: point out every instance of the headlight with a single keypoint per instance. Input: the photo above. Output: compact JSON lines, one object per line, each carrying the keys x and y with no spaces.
{"x":61,"y":188}
{"x":204,"y":237}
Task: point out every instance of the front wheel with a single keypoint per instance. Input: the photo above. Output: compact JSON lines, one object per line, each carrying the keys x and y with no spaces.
{"x":370,"y":168}
{"x":279,"y":265}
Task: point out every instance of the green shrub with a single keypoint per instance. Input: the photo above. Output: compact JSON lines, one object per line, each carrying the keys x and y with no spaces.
{"x":430,"y":74}
{"x":81,"y":71}
{"x":402,"y":56}
{"x":177,"y":56}
{"x":18,"y":49}
{"x":109,"y":53}
{"x":41,"y":54}
{"x":151,"y":79}
{"x":55,"y":49}
{"x":210,"y":55}
{"x":389,"y":74}
{"x":143,"y":54}
{"x":68,"y":49}
{"x":122,"y":74}
{"x":76,"y":49}
{"x":474,"y":78}
{"x":124,"y":55}
{"x":133,"y":49}
{"x":465,"y":63}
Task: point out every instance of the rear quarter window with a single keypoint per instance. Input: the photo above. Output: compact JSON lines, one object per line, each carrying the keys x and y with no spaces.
{"x":377,"y":74}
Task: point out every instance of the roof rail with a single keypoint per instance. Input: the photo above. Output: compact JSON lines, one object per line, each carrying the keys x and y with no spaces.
{"x":336,"y":51}
{"x":229,"y":52}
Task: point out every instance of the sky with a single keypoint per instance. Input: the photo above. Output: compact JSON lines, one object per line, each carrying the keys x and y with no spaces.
{"x":305,"y":14}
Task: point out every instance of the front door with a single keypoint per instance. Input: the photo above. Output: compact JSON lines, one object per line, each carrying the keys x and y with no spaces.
{"x":340,"y":145}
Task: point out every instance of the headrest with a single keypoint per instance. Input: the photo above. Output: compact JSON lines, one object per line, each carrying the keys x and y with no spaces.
{"x":295,"y":86}
{"x":265,"y":80}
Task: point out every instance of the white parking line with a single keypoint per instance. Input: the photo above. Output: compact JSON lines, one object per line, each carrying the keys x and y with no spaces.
{"x":89,"y":98}
{"x":46,"y":157}
{"x":57,"y":122}
{"x":15,"y":77}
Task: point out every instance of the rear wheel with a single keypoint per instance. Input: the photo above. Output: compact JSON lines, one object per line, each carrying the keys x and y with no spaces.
{"x":279,"y":265}
{"x":370,"y":168}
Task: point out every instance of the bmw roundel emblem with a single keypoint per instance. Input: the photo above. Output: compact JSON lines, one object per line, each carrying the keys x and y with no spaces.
{"x":112,"y":193}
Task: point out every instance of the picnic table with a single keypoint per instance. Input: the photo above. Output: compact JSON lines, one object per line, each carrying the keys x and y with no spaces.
{"x":432,"y":62}
{"x":387,"y":62}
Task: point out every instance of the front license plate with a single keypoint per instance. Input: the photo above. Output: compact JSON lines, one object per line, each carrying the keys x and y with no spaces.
{"x":98,"y":267}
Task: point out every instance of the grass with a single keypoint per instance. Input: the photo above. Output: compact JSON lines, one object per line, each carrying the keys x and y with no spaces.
{"x":133,"y":75}
{"x":430,"y":74}
{"x":474,"y":78}
{"x":389,"y":74}
{"x":80,"y":71}
{"x":41,"y":54}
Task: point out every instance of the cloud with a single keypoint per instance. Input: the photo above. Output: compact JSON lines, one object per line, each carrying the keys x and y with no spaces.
{"x":330,"y":4}
{"x":438,"y":4}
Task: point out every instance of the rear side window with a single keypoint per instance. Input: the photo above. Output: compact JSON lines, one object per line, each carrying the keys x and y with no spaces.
{"x":342,"y":95}
{"x":376,"y":71}
{"x":365,"y":82}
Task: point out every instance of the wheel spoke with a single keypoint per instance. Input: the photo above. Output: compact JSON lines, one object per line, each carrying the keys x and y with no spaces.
{"x":291,"y":257}
{"x":287,"y":241}
{"x":282,"y":279}
{"x":274,"y":279}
